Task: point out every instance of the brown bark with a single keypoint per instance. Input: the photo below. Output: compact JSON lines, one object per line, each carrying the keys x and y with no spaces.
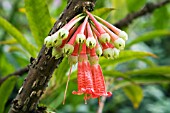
{"x":42,"y":67}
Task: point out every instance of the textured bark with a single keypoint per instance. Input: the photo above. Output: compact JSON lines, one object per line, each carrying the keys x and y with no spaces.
{"x":41,"y":69}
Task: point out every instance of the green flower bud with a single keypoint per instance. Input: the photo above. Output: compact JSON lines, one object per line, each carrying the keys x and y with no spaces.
{"x":91,"y":42}
{"x":119,"y":43}
{"x":104,"y":38}
{"x":80,"y":38}
{"x":68,"y":49}
{"x":48,"y":41}
{"x":108,"y":53}
{"x":123,"y":35}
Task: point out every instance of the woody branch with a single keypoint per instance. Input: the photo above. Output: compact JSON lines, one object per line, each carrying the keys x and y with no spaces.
{"x":43,"y":66}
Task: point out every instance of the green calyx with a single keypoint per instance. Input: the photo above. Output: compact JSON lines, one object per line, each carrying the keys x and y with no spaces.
{"x":94,"y":60}
{"x":72,"y":60}
{"x":56,"y":52}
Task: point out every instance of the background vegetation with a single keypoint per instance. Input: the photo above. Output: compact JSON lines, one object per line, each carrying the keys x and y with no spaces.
{"x":139,"y":78}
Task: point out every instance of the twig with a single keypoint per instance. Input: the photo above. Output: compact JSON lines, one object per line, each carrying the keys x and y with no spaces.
{"x":16,"y":73}
{"x":148,"y":8}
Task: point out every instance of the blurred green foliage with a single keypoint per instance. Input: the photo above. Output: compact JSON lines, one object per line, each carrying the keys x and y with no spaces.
{"x":146,"y":60}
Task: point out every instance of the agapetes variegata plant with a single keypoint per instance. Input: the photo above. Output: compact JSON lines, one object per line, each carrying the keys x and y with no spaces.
{"x":83,"y":40}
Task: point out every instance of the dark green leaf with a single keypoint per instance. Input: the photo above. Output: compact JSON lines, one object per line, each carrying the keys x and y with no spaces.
{"x":149,"y":36}
{"x":17,"y":35}
{"x":163,"y":70}
{"x":102,"y":12}
{"x":150,"y":79}
{"x":133,"y":6}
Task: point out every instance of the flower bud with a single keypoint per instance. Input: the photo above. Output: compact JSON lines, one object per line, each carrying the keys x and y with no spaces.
{"x":56,"y":42}
{"x":91,"y":42}
{"x":104,"y":38}
{"x":56,"y":52}
{"x":48,"y":41}
{"x":63,"y":33}
{"x":68,"y":49}
{"x":123,"y":35}
{"x":80,"y":38}
{"x":99,"y":51}
{"x":108,"y":53}
{"x":116,"y":52}
{"x":119,"y":43}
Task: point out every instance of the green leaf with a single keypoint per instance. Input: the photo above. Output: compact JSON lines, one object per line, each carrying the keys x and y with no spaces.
{"x":5,"y":91}
{"x":18,"y":36}
{"x":102,"y":12}
{"x":162,"y":70}
{"x":39,"y":19}
{"x":125,"y":56}
{"x":134,"y":93}
{"x":149,"y":36}
{"x":144,"y":80}
{"x":8,"y":42}
{"x":57,"y":101}
{"x":159,"y":17}
{"x":117,"y":74}
{"x":133,"y":6}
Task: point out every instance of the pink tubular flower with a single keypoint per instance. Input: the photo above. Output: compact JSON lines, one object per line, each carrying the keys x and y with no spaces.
{"x":117,"y":31}
{"x":98,"y":78}
{"x":83,"y":40}
{"x":84,"y":75}
{"x":104,"y":37}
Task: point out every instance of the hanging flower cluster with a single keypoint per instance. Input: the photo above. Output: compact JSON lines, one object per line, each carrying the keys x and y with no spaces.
{"x":84,"y":39}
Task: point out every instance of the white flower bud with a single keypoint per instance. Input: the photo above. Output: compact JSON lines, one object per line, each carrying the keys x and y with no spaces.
{"x":91,"y":42}
{"x":119,"y":43}
{"x":48,"y":41}
{"x":63,"y":33}
{"x":123,"y":35}
{"x":108,"y":53}
{"x":116,"y":52}
{"x":80,"y":38}
{"x":104,"y":38}
{"x":99,"y":51}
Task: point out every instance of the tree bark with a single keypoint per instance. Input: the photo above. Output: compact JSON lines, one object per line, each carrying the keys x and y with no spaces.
{"x":41,"y":69}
